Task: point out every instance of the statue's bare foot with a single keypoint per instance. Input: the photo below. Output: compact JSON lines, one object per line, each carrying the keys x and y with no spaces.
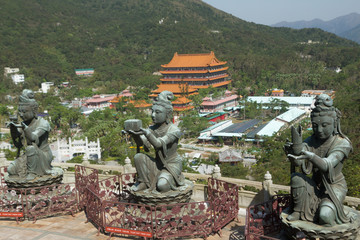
{"x":293,"y":217}
{"x":141,"y":186}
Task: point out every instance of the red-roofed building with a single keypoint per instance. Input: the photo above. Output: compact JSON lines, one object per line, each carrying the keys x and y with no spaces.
{"x":127,"y":96}
{"x":99,"y":101}
{"x":314,"y":93}
{"x":277,"y":92}
{"x":195,"y":70}
{"x":218,"y":104}
{"x":124,"y":94}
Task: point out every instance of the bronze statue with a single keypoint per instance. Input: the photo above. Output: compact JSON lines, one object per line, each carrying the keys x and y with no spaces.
{"x":161,"y":172}
{"x":32,"y":133}
{"x":320,"y":198}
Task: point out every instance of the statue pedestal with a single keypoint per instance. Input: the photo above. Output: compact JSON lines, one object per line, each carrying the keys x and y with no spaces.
{"x":313,"y":231}
{"x":45,"y":180}
{"x":172,"y":197}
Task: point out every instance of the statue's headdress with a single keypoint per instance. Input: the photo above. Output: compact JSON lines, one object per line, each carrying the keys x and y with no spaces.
{"x":164,"y":100}
{"x":27,"y":98}
{"x":324,"y":107}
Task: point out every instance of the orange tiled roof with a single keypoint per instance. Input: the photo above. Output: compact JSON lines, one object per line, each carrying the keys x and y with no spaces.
{"x":174,"y":88}
{"x":193,"y":60}
{"x":153,"y":95}
{"x":139,"y":103}
{"x":180,"y":109}
{"x":181,"y":100}
{"x":277,"y":91}
{"x":115,"y":99}
{"x":183,"y":71}
{"x":216,"y":84}
{"x":220,"y":69}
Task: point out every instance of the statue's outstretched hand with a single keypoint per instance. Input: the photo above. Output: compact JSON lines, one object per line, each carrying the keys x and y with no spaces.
{"x":142,"y":131}
{"x":145,"y":131}
{"x":309,"y":155}
{"x":136,"y":133}
{"x":297,"y":160}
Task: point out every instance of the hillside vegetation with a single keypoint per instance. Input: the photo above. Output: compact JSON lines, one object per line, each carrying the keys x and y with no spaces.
{"x":125,"y":43}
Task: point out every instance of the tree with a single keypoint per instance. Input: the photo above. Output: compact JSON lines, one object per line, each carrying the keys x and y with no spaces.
{"x":192,"y":124}
{"x":234,"y":171}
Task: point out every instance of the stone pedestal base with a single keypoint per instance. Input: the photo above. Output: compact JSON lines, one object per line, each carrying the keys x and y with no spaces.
{"x":171,"y":197}
{"x":313,"y":231}
{"x":17,"y":182}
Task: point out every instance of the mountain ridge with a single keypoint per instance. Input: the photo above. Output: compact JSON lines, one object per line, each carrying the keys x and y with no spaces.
{"x":341,"y":26}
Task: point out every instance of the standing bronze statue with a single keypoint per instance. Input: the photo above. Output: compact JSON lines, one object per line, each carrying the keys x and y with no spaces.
{"x":31,"y":135}
{"x":320,"y":198}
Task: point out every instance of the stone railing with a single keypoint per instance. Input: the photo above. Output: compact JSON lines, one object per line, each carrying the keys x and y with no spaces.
{"x":250,"y":192}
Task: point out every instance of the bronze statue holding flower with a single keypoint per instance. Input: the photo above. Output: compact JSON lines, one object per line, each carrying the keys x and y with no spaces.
{"x":319,"y":199}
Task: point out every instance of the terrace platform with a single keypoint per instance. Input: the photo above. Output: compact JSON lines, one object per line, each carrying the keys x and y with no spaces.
{"x":66,"y":227}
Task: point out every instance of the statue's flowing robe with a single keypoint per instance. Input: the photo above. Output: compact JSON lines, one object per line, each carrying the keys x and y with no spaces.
{"x":39,"y":161}
{"x":152,"y":169}
{"x":329,"y":185}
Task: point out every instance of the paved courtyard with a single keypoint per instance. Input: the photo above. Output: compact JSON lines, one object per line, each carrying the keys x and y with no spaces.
{"x":67,"y":227}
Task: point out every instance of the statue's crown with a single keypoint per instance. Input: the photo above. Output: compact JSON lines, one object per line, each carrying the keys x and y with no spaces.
{"x":164,"y":99}
{"x":323,"y":102}
{"x":27,"y":97}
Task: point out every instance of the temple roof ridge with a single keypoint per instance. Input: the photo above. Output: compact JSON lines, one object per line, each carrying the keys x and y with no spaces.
{"x":194,"y":54}
{"x":194,"y":60}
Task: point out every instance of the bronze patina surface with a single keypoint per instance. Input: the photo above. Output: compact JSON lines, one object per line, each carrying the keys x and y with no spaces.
{"x":318,"y":200}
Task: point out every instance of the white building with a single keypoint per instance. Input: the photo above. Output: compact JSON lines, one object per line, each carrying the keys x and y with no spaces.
{"x":8,"y":70}
{"x":5,"y":146}
{"x":64,"y":151}
{"x":45,"y":86}
{"x":18,"y":78}
{"x":207,"y":134}
{"x":294,"y":102}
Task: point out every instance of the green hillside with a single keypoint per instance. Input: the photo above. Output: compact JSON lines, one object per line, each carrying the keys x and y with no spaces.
{"x":124,"y":42}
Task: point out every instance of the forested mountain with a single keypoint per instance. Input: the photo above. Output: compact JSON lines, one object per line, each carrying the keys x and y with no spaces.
{"x":345,"y":26}
{"x":125,"y":41}
{"x":353,"y":34}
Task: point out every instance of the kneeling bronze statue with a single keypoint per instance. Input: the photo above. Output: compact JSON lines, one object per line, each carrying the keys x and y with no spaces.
{"x":160,"y":173}
{"x":31,"y":135}
{"x":319,"y":200}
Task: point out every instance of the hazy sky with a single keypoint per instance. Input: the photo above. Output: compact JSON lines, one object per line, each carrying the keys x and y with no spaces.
{"x":273,"y":11}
